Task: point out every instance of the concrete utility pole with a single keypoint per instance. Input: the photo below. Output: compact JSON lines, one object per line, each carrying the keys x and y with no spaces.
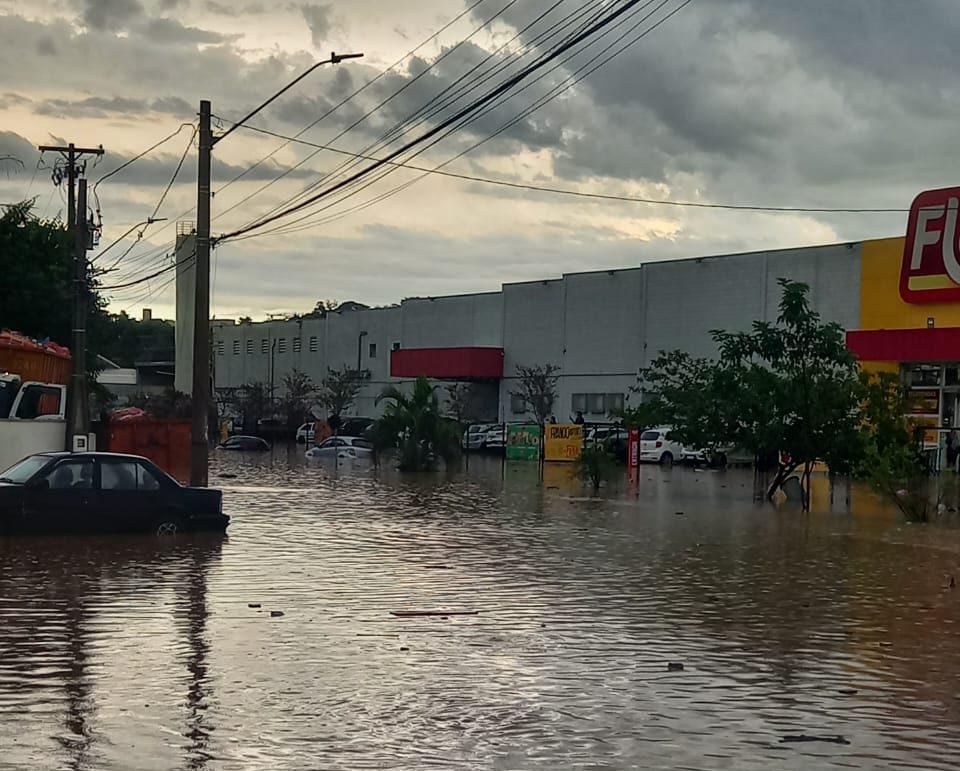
{"x":78,"y":407}
{"x":199,"y":449}
{"x":200,"y":413}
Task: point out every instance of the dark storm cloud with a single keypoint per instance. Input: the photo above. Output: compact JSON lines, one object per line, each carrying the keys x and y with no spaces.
{"x":319,"y":18}
{"x":109,"y":14}
{"x":15,"y":145}
{"x":114,"y":107}
{"x":172,"y":32}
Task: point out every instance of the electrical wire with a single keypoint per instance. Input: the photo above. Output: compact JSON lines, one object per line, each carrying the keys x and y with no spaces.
{"x":438,"y":102}
{"x":584,"y":194}
{"x":153,"y":275}
{"x":465,"y":111}
{"x":370,"y":112}
{"x":578,"y":75}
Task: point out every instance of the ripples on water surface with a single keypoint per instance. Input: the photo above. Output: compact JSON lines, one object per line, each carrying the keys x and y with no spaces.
{"x":123,"y":654}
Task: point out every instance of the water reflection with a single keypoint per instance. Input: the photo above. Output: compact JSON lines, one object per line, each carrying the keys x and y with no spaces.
{"x":118,"y":654}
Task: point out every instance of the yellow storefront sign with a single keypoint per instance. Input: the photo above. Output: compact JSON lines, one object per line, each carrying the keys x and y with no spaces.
{"x":564,"y":441}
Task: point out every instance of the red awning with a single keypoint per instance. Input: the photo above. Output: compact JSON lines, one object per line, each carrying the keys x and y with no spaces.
{"x":447,"y":363}
{"x":925,"y":344}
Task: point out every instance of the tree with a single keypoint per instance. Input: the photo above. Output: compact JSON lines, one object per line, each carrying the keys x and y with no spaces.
{"x":414,"y":424}
{"x":789,"y":388}
{"x":460,"y":402}
{"x":299,"y":392}
{"x":643,"y":416}
{"x":339,"y":389}
{"x":252,"y":403}
{"x":537,"y":389}
{"x":890,"y":460}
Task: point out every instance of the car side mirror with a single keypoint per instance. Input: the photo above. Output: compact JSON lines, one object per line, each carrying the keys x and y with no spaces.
{"x":39,"y":484}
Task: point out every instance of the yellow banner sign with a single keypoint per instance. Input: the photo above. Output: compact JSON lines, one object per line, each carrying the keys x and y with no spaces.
{"x":563,"y":442}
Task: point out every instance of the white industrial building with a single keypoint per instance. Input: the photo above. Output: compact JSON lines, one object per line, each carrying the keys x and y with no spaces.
{"x":599,"y":327}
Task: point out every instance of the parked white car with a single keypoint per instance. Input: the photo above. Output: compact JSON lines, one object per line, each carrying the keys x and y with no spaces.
{"x":495,"y":437}
{"x":657,"y":447}
{"x":475,"y":437}
{"x":306,"y":433}
{"x":342,"y":447}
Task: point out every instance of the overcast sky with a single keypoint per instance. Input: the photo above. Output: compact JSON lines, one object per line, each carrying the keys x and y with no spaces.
{"x":819,"y":103}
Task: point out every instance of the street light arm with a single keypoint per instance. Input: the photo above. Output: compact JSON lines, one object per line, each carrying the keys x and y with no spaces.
{"x":334,"y":59}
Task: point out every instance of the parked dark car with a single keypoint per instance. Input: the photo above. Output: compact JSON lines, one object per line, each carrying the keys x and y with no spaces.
{"x":101,"y":492}
{"x":245,"y":444}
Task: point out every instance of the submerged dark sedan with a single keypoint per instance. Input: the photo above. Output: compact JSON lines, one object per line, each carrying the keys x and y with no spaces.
{"x":100,"y":492}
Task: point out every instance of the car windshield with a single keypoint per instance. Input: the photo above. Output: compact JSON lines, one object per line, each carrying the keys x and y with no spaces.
{"x":649,"y":436}
{"x":20,"y":472}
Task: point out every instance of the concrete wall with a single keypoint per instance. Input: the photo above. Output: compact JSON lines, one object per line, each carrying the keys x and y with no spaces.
{"x":599,"y":327}
{"x":20,"y":438}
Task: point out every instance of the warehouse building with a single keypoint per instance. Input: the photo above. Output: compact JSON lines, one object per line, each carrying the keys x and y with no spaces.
{"x":599,"y":327}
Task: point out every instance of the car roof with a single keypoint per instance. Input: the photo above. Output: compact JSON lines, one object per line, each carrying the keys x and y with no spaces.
{"x":245,"y":436}
{"x":104,"y":455}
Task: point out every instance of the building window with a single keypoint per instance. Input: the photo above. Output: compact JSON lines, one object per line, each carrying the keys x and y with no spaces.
{"x":249,"y":347}
{"x":313,"y":344}
{"x":579,"y":403}
{"x":613,"y":403}
{"x":296,"y":345}
{"x":373,"y":350}
{"x":264,"y":345}
{"x":281,"y":345}
{"x":595,"y":404}
{"x":518,"y":405}
{"x":219,"y":347}
{"x":236,"y":347}
{"x":395,"y":346}
{"x":924,"y":375}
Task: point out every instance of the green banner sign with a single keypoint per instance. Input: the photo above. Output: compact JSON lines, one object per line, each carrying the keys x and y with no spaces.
{"x":523,"y":441}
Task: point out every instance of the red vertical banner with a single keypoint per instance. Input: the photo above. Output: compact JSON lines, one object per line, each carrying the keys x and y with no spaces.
{"x":633,"y":448}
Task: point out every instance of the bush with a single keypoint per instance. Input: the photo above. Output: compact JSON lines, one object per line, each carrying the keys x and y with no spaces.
{"x":596,"y":465}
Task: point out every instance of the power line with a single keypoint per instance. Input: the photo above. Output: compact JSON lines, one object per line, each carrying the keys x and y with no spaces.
{"x":471,"y":108}
{"x":584,"y":194}
{"x":437,"y":103}
{"x":153,"y":275}
{"x":553,"y":52}
{"x":571,"y":80}
{"x":379,"y":106}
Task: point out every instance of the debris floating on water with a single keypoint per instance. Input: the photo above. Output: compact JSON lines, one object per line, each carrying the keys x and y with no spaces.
{"x":422,"y":613}
{"x":835,"y":739}
{"x":253,"y":605}
{"x":674,"y":666}
{"x":276,"y":613}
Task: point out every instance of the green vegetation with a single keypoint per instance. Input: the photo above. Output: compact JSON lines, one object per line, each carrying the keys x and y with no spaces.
{"x":789,"y":391}
{"x":299,"y":394}
{"x":338,"y":390}
{"x":413,"y":423}
{"x":595,"y":465}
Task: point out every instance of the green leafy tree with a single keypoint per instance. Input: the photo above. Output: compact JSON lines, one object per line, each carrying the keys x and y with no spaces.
{"x":338,"y":390}
{"x":299,"y":393}
{"x":789,"y":389}
{"x":415,"y":425}
{"x":537,"y":389}
{"x":252,"y":403}
{"x":642,"y":416}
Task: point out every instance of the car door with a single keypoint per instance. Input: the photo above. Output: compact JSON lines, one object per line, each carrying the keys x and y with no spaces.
{"x":66,"y":505}
{"x":128,"y":499}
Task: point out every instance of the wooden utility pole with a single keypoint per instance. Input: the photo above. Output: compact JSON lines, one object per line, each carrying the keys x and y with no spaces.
{"x":78,"y":408}
{"x":199,"y":427}
{"x":200,"y":414}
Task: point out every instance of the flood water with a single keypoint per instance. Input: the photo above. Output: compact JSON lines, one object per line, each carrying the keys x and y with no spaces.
{"x":121,"y":653}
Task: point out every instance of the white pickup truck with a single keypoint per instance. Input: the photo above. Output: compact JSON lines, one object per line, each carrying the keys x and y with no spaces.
{"x":32,"y":418}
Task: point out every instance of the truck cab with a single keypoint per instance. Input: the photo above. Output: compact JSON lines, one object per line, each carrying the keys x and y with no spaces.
{"x":31,"y":400}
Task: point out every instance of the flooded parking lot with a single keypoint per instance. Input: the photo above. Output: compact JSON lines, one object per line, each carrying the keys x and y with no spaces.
{"x":829,"y":640}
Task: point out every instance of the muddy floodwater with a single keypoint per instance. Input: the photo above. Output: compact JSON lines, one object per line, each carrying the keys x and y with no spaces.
{"x":820,"y":641}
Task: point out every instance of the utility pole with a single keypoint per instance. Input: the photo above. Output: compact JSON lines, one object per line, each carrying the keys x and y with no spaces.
{"x":78,"y":408}
{"x":199,"y":426}
{"x":200,"y":413}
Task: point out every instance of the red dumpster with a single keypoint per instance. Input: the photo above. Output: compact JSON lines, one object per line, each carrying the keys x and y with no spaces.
{"x":165,"y":442}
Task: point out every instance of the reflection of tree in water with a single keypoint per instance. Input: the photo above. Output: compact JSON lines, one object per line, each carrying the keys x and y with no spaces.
{"x":58,"y":586}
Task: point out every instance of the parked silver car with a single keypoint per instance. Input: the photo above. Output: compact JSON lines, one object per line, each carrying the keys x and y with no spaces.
{"x":342,"y":447}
